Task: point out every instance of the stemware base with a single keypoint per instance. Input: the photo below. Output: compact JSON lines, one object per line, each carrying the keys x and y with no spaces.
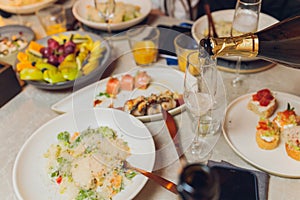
{"x":199,"y":152}
{"x":237,"y":82}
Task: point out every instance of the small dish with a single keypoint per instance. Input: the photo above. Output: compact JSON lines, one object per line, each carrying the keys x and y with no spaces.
{"x":23,"y":32}
{"x":80,"y":13}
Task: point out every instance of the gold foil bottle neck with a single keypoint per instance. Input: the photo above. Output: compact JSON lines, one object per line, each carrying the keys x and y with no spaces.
{"x":244,"y":45}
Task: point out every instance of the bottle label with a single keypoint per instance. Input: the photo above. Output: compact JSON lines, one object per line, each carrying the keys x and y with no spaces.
{"x":244,"y":45}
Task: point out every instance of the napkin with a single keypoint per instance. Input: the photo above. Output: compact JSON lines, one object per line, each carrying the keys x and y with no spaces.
{"x":262,"y":177}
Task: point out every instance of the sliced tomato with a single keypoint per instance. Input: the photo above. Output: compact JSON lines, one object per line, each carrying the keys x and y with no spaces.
{"x":264,"y":101}
{"x":263,"y":92}
{"x":58,"y":180}
{"x":288,"y":113}
{"x":269,"y":96}
{"x":264,"y":97}
{"x":255,"y":97}
{"x":262,"y":125}
{"x":97,"y":102}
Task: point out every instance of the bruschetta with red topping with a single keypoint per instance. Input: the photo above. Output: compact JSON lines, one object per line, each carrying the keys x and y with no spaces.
{"x":263,"y":103}
{"x":287,"y":118}
{"x":267,"y":134}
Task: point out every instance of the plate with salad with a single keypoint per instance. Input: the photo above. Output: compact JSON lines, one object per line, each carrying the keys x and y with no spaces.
{"x":80,"y":155}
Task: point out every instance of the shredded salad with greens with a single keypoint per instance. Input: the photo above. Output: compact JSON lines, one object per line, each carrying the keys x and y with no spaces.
{"x":89,"y":165}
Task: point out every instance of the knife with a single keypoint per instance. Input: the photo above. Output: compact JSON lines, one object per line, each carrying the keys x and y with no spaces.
{"x":172,"y":187}
{"x":172,"y":128}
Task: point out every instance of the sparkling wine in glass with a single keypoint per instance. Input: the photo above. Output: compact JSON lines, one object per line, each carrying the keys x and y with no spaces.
{"x":245,"y":20}
{"x":199,"y":100}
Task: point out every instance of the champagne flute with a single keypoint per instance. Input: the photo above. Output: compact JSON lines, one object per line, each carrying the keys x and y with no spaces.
{"x":106,"y":9}
{"x":199,"y":99}
{"x":245,"y":20}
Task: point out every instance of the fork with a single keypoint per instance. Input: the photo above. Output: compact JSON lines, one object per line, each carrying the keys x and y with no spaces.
{"x":172,"y":187}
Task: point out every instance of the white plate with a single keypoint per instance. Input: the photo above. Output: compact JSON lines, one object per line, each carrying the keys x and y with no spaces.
{"x":239,"y":129}
{"x":30,"y":178}
{"x":201,"y":25}
{"x":80,"y":13}
{"x":26,"y":9}
{"x":163,"y":78}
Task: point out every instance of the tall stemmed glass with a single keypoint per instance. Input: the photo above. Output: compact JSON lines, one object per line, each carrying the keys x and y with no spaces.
{"x":199,"y":99}
{"x":245,"y":20}
{"x":106,"y":9}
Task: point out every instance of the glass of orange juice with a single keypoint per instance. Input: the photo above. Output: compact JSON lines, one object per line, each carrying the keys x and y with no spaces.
{"x":143,"y":41}
{"x":184,"y":45}
{"x":53,"y":19}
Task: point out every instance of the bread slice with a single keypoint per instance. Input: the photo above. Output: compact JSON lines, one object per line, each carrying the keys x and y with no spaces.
{"x":263,"y":111}
{"x":291,"y":136}
{"x":293,"y":153}
{"x":267,"y":145}
{"x":267,"y":134}
{"x":286,"y":119}
{"x":263,"y":103}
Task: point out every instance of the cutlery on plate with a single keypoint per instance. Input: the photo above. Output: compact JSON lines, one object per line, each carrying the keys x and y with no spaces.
{"x":172,"y":187}
{"x":172,"y":128}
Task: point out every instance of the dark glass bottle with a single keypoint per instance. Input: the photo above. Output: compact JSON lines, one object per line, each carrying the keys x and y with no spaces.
{"x":198,"y":182}
{"x":279,"y":43}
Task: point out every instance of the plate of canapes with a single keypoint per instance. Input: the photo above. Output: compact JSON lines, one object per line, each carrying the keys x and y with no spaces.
{"x":263,"y":128}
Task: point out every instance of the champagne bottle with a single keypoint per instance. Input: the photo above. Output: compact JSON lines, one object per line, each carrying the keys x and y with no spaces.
{"x":198,"y":182}
{"x":278,"y":43}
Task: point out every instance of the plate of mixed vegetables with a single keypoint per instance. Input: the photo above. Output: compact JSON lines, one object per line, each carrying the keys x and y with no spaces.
{"x":61,"y":60}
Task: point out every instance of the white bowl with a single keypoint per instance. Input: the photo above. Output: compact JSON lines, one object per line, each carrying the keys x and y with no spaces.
{"x":80,"y":13}
{"x":26,"y":9}
{"x":201,"y":25}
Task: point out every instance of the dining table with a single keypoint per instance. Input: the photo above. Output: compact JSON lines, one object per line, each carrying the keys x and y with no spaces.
{"x":31,"y":108}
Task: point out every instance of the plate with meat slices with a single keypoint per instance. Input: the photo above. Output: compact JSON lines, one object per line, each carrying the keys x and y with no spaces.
{"x":142,"y":92}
